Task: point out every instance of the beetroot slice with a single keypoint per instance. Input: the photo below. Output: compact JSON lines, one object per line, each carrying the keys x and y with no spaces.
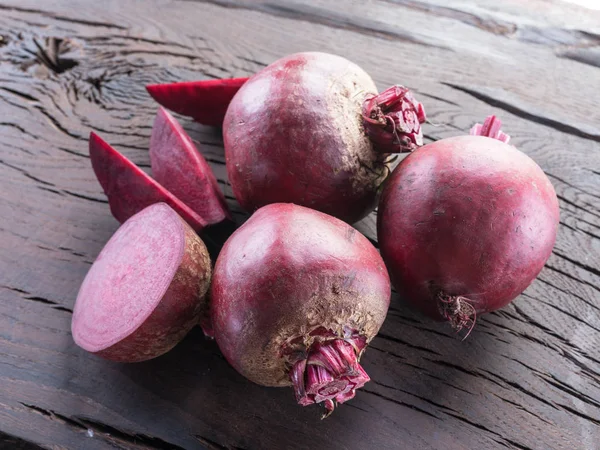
{"x":146,"y":289}
{"x":206,"y":101}
{"x":129,"y":189}
{"x":180,"y":168}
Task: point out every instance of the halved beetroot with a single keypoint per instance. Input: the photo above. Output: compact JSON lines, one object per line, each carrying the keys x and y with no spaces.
{"x":129,"y":189}
{"x":180,"y":168}
{"x":146,"y":289}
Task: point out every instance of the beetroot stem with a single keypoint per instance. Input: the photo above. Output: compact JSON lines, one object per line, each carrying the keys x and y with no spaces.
{"x":330,"y":372}
{"x":393,"y":119}
{"x":490,"y":128}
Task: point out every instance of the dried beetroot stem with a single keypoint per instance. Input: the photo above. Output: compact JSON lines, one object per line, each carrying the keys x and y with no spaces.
{"x":457,"y":310}
{"x":393,"y":120}
{"x":490,"y":128}
{"x":329,"y":372}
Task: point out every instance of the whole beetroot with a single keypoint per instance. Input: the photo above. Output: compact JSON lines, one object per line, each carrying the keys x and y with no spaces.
{"x":295,"y":299}
{"x":310,"y":129}
{"x":465,"y":224}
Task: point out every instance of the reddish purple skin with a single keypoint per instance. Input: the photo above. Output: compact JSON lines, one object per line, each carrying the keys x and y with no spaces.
{"x":129,"y":189}
{"x":470,"y":216}
{"x":177,"y":312}
{"x":285,"y":272}
{"x":206,"y":101}
{"x":293,"y":133}
{"x":180,"y":168}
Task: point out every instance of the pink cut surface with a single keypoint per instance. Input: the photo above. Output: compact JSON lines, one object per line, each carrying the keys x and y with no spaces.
{"x":129,"y":278}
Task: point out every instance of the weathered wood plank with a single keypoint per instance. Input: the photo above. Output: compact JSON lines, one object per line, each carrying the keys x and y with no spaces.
{"x":528,"y":377}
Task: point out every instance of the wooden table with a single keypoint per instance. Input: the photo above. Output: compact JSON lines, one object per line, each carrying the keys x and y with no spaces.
{"x":527,"y":378}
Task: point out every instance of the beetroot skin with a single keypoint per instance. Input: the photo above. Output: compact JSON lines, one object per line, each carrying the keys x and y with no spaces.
{"x":296,"y":297}
{"x":310,"y":129}
{"x":146,"y":289}
{"x":465,"y":224}
{"x":179,"y":167}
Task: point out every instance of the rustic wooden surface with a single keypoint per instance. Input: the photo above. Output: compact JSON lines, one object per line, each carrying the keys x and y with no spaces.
{"x":527,"y":378}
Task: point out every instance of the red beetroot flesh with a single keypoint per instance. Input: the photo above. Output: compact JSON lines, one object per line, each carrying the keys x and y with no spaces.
{"x":145,"y":290}
{"x":296,"y":296}
{"x":206,"y":101}
{"x":180,"y":168}
{"x":465,"y":224}
{"x":295,"y":132}
{"x":129,"y":189}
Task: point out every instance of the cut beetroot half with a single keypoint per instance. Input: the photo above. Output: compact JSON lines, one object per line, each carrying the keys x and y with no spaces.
{"x":145,"y":291}
{"x":206,"y":101}
{"x":129,"y":189}
{"x":180,"y":168}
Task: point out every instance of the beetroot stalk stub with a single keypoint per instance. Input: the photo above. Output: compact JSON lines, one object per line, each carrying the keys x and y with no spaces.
{"x":179,"y":167}
{"x":296,"y":297}
{"x":146,"y":289}
{"x":206,"y":101}
{"x":299,"y":132}
{"x":465,"y":224}
{"x":129,"y":189}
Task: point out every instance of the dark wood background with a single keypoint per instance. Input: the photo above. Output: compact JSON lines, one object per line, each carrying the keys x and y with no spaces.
{"x":527,"y":378}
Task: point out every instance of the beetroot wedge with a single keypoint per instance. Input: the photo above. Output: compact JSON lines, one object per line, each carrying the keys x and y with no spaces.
{"x":129,"y":189}
{"x":206,"y":101}
{"x":180,"y":168}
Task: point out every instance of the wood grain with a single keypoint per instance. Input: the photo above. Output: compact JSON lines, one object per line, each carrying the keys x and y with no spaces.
{"x":527,"y":378}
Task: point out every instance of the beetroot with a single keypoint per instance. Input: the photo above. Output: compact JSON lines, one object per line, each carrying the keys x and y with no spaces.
{"x":296,"y":297}
{"x":465,"y":224}
{"x":206,"y":101}
{"x":180,"y":168}
{"x":310,"y":129}
{"x":128,"y":188}
{"x":145,"y":290}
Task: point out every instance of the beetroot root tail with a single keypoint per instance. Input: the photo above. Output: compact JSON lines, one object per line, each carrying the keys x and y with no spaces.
{"x":330,"y":373}
{"x":457,"y":310}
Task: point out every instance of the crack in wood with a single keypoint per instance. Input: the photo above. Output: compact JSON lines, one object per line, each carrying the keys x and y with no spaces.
{"x":426,"y":400}
{"x":569,"y":202}
{"x":568,"y":275}
{"x":85,"y":197}
{"x":562,"y":180}
{"x":579,"y":264}
{"x":25,"y":173}
{"x":107,"y":432}
{"x":579,"y":230}
{"x":520,"y":111}
{"x":34,"y":298}
{"x":408,"y":344}
{"x":313,"y":14}
{"x":398,"y":402}
{"x":567,"y":313}
{"x":43,"y":13}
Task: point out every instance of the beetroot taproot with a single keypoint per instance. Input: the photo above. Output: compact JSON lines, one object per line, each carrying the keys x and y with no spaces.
{"x":465,"y":224}
{"x":129,"y":189}
{"x":146,"y":289}
{"x":179,"y":167}
{"x":206,"y":100}
{"x":310,"y":129}
{"x":296,"y":297}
